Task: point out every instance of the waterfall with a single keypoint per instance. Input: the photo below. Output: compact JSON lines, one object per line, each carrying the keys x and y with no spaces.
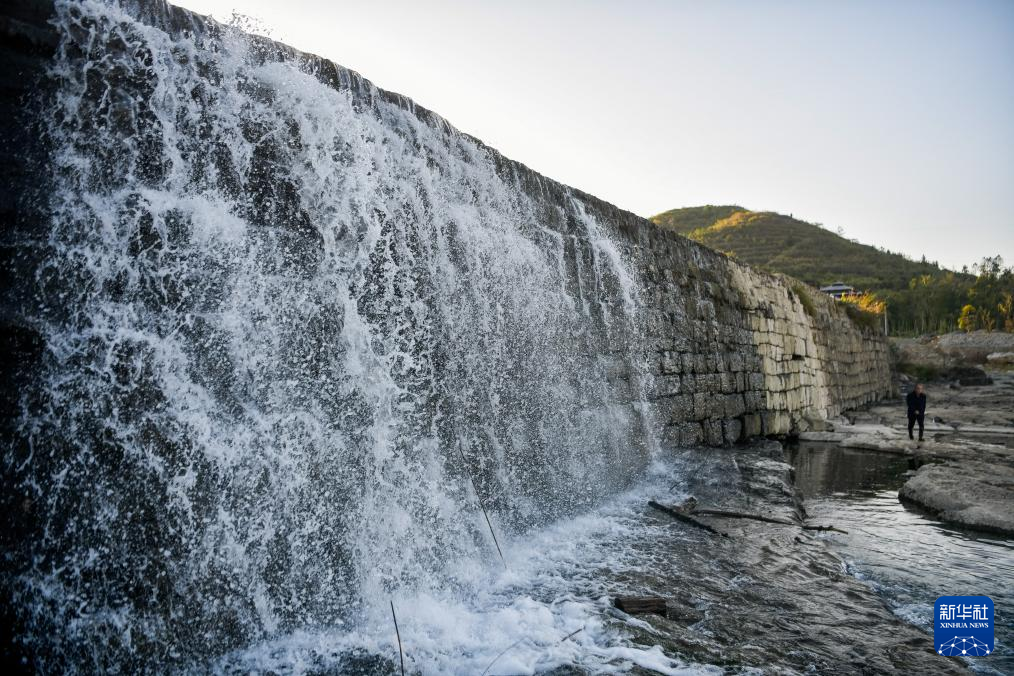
{"x":288,"y":320}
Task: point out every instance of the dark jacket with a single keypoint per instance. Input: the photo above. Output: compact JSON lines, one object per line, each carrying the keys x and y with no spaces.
{"x":916,"y":403}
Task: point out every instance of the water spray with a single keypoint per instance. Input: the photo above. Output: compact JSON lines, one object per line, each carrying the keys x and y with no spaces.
{"x":401,"y":653}
{"x":464,"y":464}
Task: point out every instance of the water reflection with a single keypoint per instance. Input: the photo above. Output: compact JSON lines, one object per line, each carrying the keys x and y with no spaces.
{"x":908,"y":557}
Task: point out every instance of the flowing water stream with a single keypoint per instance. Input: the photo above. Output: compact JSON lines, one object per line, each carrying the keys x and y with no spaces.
{"x":907,"y":557}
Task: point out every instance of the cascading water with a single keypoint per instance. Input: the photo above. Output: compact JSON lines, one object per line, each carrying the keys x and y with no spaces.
{"x":286,"y":325}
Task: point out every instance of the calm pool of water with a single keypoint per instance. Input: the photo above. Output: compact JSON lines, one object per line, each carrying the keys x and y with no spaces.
{"x":907,"y":557}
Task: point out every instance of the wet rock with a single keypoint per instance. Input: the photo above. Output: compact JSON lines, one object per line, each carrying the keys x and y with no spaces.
{"x":772,"y":598}
{"x":1000,"y":359}
{"x":823,"y":436}
{"x":681,"y":613}
{"x":972,"y":494}
{"x":969,"y":376}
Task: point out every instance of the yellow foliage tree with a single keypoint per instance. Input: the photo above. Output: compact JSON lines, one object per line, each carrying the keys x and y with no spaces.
{"x":867,"y":302}
{"x":967,"y":320}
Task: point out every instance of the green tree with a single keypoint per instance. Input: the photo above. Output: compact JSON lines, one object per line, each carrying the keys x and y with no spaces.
{"x":1006,"y":309}
{"x":986,"y":320}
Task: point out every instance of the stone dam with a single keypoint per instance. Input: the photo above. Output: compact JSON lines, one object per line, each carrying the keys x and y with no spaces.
{"x":734,"y":351}
{"x":238,"y":278}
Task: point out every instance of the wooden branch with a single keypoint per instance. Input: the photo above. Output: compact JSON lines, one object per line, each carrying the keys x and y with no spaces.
{"x":741,"y":515}
{"x":682,"y":513}
{"x":679,"y":516}
{"x":825,"y":528}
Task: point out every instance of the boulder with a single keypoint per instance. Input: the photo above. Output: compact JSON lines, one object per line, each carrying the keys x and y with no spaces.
{"x":972,"y":494}
{"x":1000,"y":359}
{"x":968,"y":376}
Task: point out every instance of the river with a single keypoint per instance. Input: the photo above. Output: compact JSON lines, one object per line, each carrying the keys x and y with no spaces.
{"x":907,"y":557}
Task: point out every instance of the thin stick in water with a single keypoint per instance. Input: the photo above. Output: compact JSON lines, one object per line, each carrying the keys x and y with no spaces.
{"x":512,"y":645}
{"x":502,"y":652}
{"x":572,"y":634}
{"x":478,"y":497}
{"x":397,"y":633}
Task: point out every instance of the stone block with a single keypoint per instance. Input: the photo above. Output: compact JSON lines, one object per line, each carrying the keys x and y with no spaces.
{"x":734,"y":405}
{"x":732,"y":430}
{"x":671,"y":363}
{"x":752,"y":425}
{"x":689,"y":383}
{"x":700,"y":405}
{"x":667,"y":386}
{"x":713,"y":432}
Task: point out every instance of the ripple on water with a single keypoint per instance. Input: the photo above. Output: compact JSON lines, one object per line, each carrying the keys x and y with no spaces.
{"x":909,"y":558}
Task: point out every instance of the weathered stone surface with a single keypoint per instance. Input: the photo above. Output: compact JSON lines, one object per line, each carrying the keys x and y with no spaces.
{"x":969,"y":431}
{"x":1000,"y":359}
{"x":972,"y":494}
{"x":974,"y":347}
{"x":954,"y":349}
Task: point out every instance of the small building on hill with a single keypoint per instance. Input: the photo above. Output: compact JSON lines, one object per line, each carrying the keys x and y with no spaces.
{"x":838,"y":290}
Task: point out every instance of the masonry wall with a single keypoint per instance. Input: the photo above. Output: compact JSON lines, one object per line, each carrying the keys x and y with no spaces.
{"x":740,"y":353}
{"x":734,"y":351}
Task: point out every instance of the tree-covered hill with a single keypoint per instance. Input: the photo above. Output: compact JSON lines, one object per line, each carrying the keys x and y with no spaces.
{"x":686,"y":220}
{"x":806,"y":251}
{"x":918,"y":296}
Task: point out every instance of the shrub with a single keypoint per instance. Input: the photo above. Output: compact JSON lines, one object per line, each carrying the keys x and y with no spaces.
{"x":862,"y":318}
{"x":804,"y":299}
{"x":921,"y":373}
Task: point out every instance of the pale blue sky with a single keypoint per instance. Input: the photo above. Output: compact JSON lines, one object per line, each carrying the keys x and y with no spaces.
{"x":891,"y":120}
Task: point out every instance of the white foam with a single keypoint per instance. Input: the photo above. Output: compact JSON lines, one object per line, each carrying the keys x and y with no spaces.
{"x":549,"y":608}
{"x":304,"y":324}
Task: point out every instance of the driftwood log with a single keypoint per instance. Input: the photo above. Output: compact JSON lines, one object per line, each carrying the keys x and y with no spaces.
{"x":641,"y":605}
{"x":680,"y":516}
{"x":742,"y":515}
{"x":826,"y":528}
{"x":682,"y":513}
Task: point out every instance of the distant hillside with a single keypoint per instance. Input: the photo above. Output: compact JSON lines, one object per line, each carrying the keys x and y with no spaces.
{"x":808,"y":252}
{"x":686,"y":220}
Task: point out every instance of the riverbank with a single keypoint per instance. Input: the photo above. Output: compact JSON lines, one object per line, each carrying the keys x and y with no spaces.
{"x":763,"y":598}
{"x":965,"y":466}
{"x":770,"y":596}
{"x":906,"y":556}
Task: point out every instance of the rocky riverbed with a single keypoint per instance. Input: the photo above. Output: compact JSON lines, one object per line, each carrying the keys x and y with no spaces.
{"x":770,"y":596}
{"x":905,"y":555}
{"x":939,"y":353}
{"x":966,"y":463}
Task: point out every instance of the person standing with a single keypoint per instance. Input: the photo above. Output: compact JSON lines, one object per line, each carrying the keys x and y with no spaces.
{"x":916,"y":401}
